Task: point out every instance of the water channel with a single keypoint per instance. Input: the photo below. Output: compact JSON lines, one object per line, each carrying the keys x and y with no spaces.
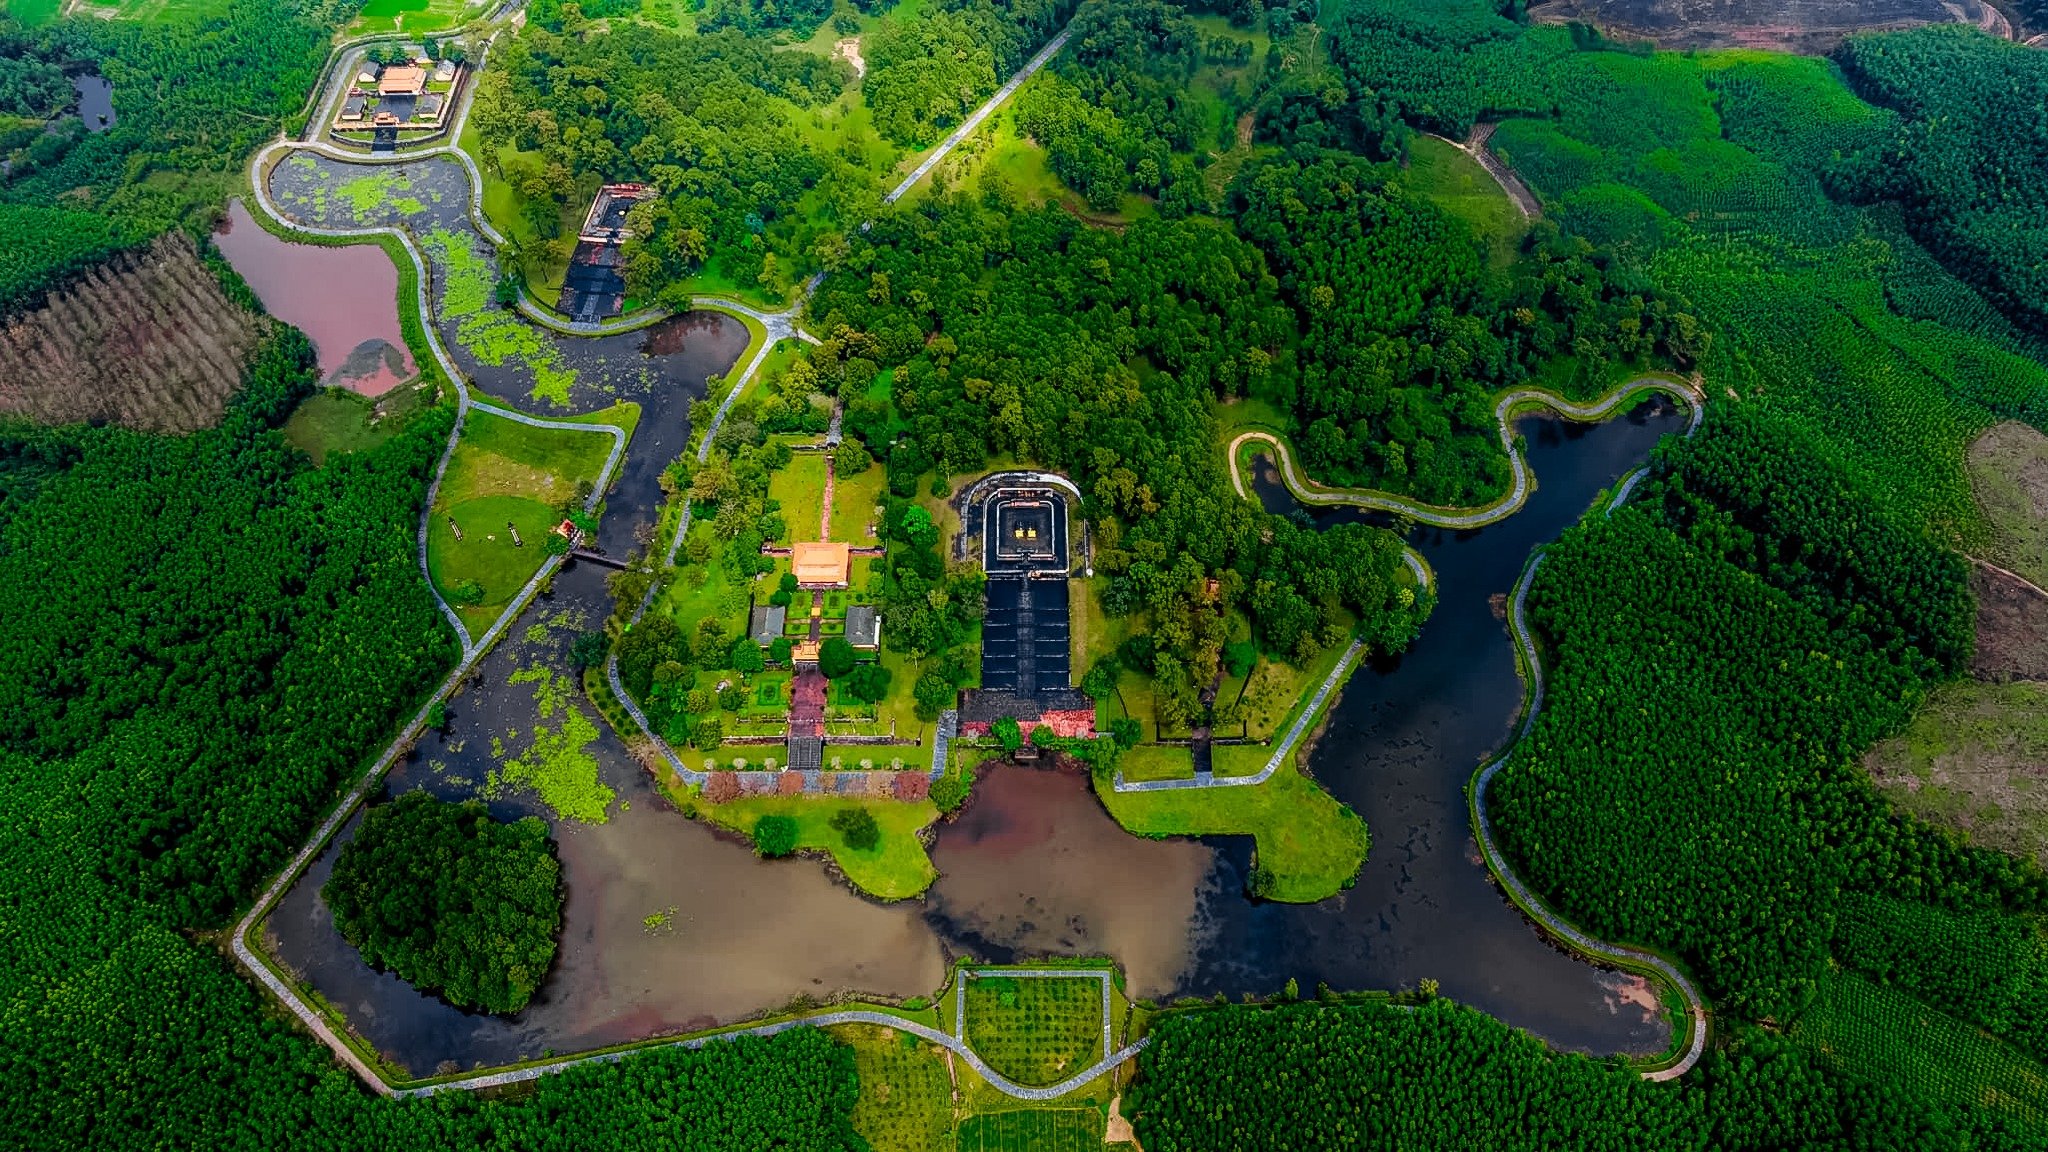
{"x":670,"y":926}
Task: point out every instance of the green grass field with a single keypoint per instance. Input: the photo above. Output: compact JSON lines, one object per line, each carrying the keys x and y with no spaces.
{"x":854,"y":500}
{"x":1882,"y":1032}
{"x":1033,"y":1130}
{"x":896,"y":868}
{"x":1036,"y":1031}
{"x":1311,"y":845}
{"x":34,"y":12}
{"x":335,"y":420}
{"x":416,"y":16}
{"x":504,"y":472}
{"x":800,"y":488}
{"x":905,"y":1102}
{"x":1456,"y":183}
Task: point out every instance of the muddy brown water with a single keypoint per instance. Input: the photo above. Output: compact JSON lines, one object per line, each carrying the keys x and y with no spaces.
{"x":1035,"y":867}
{"x":344,"y":299}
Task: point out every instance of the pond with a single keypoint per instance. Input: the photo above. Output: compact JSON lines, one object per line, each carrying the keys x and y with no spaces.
{"x":344,"y":299}
{"x":95,"y":100}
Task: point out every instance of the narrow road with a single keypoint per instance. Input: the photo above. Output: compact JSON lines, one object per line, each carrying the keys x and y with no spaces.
{"x":1309,"y":492}
{"x":974,"y":119}
{"x":1475,"y":147}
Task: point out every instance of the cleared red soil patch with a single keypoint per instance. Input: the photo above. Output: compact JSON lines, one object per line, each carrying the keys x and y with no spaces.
{"x":344,"y":299}
{"x":147,"y":339}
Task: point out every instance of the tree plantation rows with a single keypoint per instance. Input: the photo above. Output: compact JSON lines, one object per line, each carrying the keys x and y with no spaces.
{"x":1440,"y":1076}
{"x":208,"y":637}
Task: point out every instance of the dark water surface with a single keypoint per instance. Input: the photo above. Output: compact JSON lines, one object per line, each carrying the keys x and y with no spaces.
{"x":95,"y":100}
{"x":1035,"y":866}
{"x":1402,"y":744}
{"x":345,"y":299}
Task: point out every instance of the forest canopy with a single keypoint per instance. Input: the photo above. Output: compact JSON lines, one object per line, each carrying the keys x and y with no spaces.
{"x":451,"y":900}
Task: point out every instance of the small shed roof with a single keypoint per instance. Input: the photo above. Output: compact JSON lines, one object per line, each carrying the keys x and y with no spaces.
{"x":444,"y":72}
{"x":863,"y":626}
{"x":821,"y":564}
{"x":766,"y":623}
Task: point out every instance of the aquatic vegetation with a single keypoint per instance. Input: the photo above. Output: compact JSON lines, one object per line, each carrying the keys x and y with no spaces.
{"x":557,"y":768}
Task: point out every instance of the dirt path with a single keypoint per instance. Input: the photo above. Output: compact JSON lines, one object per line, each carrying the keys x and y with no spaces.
{"x":849,"y":51}
{"x":1475,"y":147}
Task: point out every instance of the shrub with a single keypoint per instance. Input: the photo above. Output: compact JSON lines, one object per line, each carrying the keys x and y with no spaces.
{"x":857,"y":827}
{"x":774,"y":835}
{"x":1007,"y":734}
{"x":949,"y":792}
{"x":869,"y":683}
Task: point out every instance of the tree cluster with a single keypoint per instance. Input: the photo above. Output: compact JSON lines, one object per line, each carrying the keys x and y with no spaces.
{"x":705,"y":119}
{"x":454,"y":902}
{"x":1026,"y":334}
{"x":1407,"y":334}
{"x":1967,"y":155}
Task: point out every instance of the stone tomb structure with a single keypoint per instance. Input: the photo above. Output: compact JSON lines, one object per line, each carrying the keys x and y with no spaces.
{"x":1019,"y":523}
{"x":594,"y":288}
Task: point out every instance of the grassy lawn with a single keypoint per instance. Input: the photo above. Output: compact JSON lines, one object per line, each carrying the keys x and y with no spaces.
{"x":1157,"y":762}
{"x":894,"y":869}
{"x":335,"y":420}
{"x":503,"y":471}
{"x":33,"y":12}
{"x":906,"y":1098}
{"x":1311,"y":844}
{"x":1458,"y":184}
{"x":854,"y":499}
{"x":1035,"y":1030}
{"x":414,"y":16}
{"x":706,"y":589}
{"x":800,"y":488}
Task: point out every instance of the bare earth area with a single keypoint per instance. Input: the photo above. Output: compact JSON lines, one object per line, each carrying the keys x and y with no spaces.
{"x":2009,"y":476}
{"x":1975,"y":758}
{"x":147,"y":340}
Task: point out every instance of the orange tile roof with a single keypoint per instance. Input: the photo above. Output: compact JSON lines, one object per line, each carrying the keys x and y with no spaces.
{"x":821,"y":563}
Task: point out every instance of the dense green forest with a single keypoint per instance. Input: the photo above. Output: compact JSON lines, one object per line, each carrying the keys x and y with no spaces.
{"x":1440,"y":1076}
{"x":1023,"y":333}
{"x":191,"y":99}
{"x":207,"y":636}
{"x":683,"y":113}
{"x":1967,"y":155}
{"x":453,"y":901}
{"x":925,"y":74}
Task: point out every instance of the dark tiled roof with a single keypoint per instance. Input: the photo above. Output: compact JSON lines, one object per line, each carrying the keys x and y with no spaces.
{"x":861,"y":626}
{"x":765,"y":625}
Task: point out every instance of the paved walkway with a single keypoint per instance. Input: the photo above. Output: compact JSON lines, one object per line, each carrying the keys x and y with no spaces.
{"x":1557,"y":926}
{"x":1295,"y":731}
{"x":1309,"y":492}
